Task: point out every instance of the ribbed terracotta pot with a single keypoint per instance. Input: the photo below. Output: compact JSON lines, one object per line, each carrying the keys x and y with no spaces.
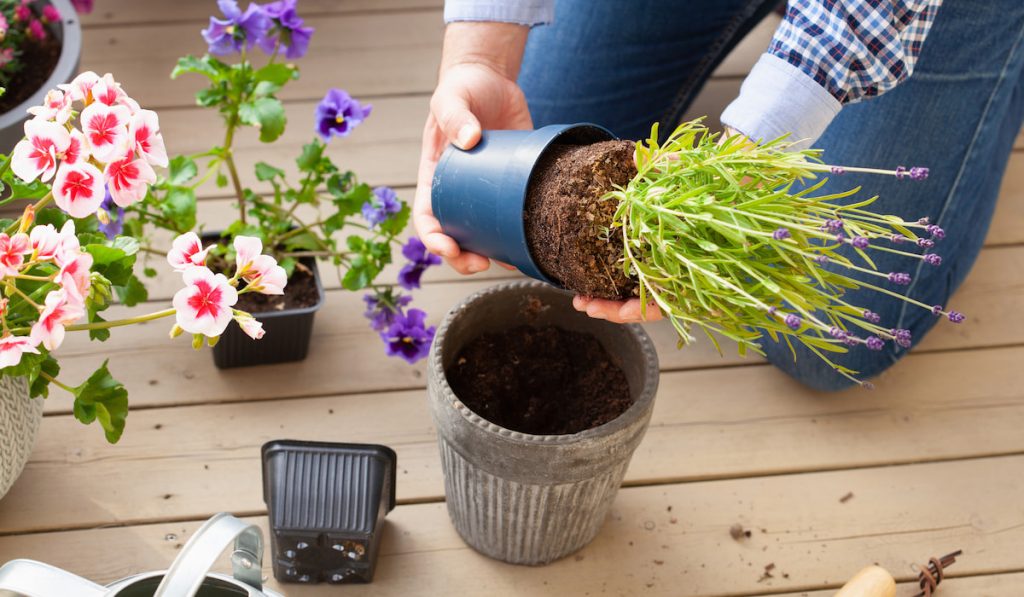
{"x":532,"y":499}
{"x":20,"y":417}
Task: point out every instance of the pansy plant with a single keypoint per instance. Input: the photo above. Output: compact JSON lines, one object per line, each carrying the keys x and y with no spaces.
{"x":89,"y":152}
{"x":294,"y":217}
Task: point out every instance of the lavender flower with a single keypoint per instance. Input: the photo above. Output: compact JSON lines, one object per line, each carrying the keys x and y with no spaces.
{"x":793,"y":321}
{"x":932,"y":259}
{"x":338,"y":113}
{"x":897,"y":239}
{"x":408,"y":337}
{"x":841,"y":238}
{"x":381,"y":206}
{"x":923,"y":221}
{"x":874,"y":343}
{"x":228,"y":36}
{"x":936,"y":232}
{"x":419,"y":261}
{"x":838,"y":170}
{"x":381,"y":312}
{"x":937,"y":310}
{"x":836,"y":332}
{"x":287,"y":32}
{"x":956,"y":316}
{"x":772,"y":310}
{"x":918,"y":173}
{"x":780,"y":234}
{"x":899,"y":278}
{"x":860,"y":242}
{"x":924,"y":243}
{"x":867,"y":385}
{"x":113,"y":223}
{"x":833,"y":225}
{"x":851,"y":340}
{"x":821,"y":259}
{"x":902,"y":337}
{"x":871,"y":316}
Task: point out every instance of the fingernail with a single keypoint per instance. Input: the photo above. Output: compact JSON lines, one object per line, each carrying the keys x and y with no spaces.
{"x":465,"y":135}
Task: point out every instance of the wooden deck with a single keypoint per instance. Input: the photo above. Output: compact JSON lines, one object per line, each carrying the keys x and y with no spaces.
{"x":934,"y":459}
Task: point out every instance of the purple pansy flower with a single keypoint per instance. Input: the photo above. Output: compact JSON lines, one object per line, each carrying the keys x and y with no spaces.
{"x":227,"y":36}
{"x":338,"y":113}
{"x":115,"y":219}
{"x":408,"y":337}
{"x":288,"y":32}
{"x":419,"y":260}
{"x":381,"y":206}
{"x":382,"y":314}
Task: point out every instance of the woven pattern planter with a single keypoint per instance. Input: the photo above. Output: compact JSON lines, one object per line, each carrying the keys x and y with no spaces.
{"x":20,"y":417}
{"x":532,"y":499}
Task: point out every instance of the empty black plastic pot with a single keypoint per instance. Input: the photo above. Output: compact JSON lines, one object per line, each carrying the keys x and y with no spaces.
{"x":479,"y":195}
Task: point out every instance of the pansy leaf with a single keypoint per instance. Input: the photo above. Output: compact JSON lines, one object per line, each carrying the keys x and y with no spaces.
{"x":266,"y":114}
{"x":265,"y":172}
{"x":360,"y":274}
{"x":102,"y":398}
{"x":277,"y":73}
{"x":309,"y":159}
{"x":206,"y":66}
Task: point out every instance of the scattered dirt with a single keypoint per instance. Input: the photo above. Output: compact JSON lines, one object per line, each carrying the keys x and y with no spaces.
{"x":567,"y":223}
{"x":738,"y":533}
{"x":846,"y":498}
{"x":544,"y":381}
{"x":767,"y":574}
{"x":39,"y":59}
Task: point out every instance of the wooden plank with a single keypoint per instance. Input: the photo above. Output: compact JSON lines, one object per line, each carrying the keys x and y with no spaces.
{"x":367,"y":54}
{"x":994,"y":585}
{"x":665,"y":540}
{"x":187,"y":462}
{"x":121,"y":12}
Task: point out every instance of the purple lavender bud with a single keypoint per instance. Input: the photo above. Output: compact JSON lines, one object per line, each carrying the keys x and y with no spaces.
{"x":851,"y":340}
{"x":821,"y":259}
{"x":936,"y":232}
{"x":841,"y":238}
{"x":932,"y":259}
{"x":793,"y":321}
{"x":875,"y":343}
{"x":956,"y":316}
{"x":772,"y":310}
{"x":835,"y":332}
{"x":860,"y":242}
{"x":937,"y":310}
{"x":902,"y":337}
{"x":897,"y":239}
{"x":867,"y":385}
{"x":871,"y":316}
{"x":923,"y":221}
{"x":924,"y":243}
{"x":838,"y":170}
{"x":834,"y":225}
{"x":780,"y":234}
{"x":918,"y":173}
{"x":899,"y":278}
{"x":901,"y":172}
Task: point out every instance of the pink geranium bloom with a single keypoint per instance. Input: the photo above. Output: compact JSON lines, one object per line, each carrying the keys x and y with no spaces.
{"x":77,"y":151}
{"x":128,"y":179}
{"x":78,"y":190}
{"x":45,"y":241}
{"x":70,"y":247}
{"x":250,"y":325}
{"x":106,"y":130}
{"x":204,"y":305}
{"x":266,"y":276}
{"x":108,"y":91}
{"x":56,"y":107}
{"x":247,"y":249}
{"x":12,"y":252}
{"x":74,"y":276}
{"x":144,"y":130}
{"x":57,"y":312}
{"x":12,"y":347}
{"x":80,"y":88}
{"x":36,"y":156}
{"x":187,"y":251}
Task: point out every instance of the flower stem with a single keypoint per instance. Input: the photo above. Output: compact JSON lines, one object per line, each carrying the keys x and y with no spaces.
{"x":16,"y":225}
{"x":102,"y":325}
{"x":55,"y":381}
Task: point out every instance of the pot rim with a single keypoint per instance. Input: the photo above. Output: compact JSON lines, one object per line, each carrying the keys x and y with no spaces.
{"x":67,"y":64}
{"x":637,"y":410}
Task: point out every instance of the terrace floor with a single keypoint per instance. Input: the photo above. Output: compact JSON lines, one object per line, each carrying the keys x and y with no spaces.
{"x":930,"y":462}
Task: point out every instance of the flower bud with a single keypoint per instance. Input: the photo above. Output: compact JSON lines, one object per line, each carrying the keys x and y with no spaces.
{"x":176,"y":331}
{"x":197,"y":341}
{"x":28,"y":217}
{"x":212,"y":341}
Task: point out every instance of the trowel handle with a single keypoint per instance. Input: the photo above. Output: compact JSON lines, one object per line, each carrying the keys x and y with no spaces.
{"x":873,"y":581}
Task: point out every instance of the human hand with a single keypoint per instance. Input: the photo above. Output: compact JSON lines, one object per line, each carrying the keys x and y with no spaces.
{"x":476,"y":88}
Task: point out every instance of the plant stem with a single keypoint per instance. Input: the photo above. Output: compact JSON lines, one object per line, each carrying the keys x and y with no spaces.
{"x":16,"y":224}
{"x":54,"y":380}
{"x":102,"y":325}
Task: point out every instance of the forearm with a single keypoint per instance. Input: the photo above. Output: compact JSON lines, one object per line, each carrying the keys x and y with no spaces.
{"x":498,"y":46}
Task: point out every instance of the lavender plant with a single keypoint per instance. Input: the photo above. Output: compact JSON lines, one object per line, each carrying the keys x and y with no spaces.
{"x":718,"y":238}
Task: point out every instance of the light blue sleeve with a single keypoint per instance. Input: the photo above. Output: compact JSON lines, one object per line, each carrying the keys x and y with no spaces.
{"x":778,"y":98}
{"x":522,"y":12}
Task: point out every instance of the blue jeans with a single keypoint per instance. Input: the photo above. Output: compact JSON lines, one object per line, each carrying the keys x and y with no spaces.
{"x":626,"y":65}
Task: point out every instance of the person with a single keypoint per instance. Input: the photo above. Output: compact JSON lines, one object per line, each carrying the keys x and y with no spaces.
{"x":873,"y":83}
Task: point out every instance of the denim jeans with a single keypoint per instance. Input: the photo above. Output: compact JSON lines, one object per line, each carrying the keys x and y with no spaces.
{"x":626,"y":65}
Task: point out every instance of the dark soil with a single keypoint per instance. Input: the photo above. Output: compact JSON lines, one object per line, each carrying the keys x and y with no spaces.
{"x":301,"y":291}
{"x":567,"y":223}
{"x":38,"y":58}
{"x":543,"y":381}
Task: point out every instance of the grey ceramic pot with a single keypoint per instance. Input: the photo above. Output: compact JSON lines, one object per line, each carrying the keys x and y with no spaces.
{"x":12,"y":123}
{"x":532,"y":499}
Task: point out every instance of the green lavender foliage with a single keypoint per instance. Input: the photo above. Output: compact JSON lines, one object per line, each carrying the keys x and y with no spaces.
{"x":699,"y":224}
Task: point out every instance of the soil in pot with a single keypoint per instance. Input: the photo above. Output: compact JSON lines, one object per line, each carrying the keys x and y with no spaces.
{"x":568,"y":225}
{"x":540,"y":380}
{"x":301,"y":292}
{"x":38,"y":58}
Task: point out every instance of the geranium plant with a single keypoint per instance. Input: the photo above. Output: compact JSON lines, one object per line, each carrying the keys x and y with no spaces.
{"x":299,"y":216}
{"x":91,"y":143}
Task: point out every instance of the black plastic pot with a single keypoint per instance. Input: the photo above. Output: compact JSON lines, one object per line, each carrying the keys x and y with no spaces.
{"x":12,"y":123}
{"x":479,"y":195}
{"x":288,"y":332}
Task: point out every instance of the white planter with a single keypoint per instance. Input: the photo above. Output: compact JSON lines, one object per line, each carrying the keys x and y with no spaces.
{"x":20,"y":417}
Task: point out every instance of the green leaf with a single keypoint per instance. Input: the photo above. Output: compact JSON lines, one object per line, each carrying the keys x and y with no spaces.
{"x":266,"y":114}
{"x":180,"y":207}
{"x":222,"y":180}
{"x":360,"y":274}
{"x":305,"y":241}
{"x":277,"y":73}
{"x":309,"y":159}
{"x":206,"y":66}
{"x":265,"y":172}
{"x":181,"y":170}
{"x":102,"y":334}
{"x":350,"y":202}
{"x":288,"y":264}
{"x":38,"y":385}
{"x":132,"y":293}
{"x":396,"y":224}
{"x":112,"y":262}
{"x":102,"y":398}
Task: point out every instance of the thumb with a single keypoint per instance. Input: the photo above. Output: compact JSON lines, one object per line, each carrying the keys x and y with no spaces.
{"x":456,"y":120}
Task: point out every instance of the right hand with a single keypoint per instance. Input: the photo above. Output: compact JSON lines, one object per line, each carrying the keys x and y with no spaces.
{"x":476,"y":88}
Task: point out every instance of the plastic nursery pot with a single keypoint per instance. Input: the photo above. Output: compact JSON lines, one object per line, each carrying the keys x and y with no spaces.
{"x":288,"y":332}
{"x":326,"y":503}
{"x":532,"y":499}
{"x":479,"y":195}
{"x":12,"y":122}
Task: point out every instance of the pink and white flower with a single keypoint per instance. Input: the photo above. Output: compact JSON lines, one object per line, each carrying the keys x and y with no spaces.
{"x":74,"y":276}
{"x":77,"y":151}
{"x":80,"y":88}
{"x":45,"y":242}
{"x":57,"y":312}
{"x":36,"y":156}
{"x":78,"y":189}
{"x":247,"y":249}
{"x":187,"y":251}
{"x":106,"y":130}
{"x":128,"y":179}
{"x":108,"y":91}
{"x":12,"y":347}
{"x":70,"y":247}
{"x":250,"y":325}
{"x":204,"y":305}
{"x":12,"y":252}
{"x":266,"y":276}
{"x":56,"y":107}
{"x":144,"y":130}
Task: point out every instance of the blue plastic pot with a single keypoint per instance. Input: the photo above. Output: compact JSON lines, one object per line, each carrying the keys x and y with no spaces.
{"x":479,"y":195}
